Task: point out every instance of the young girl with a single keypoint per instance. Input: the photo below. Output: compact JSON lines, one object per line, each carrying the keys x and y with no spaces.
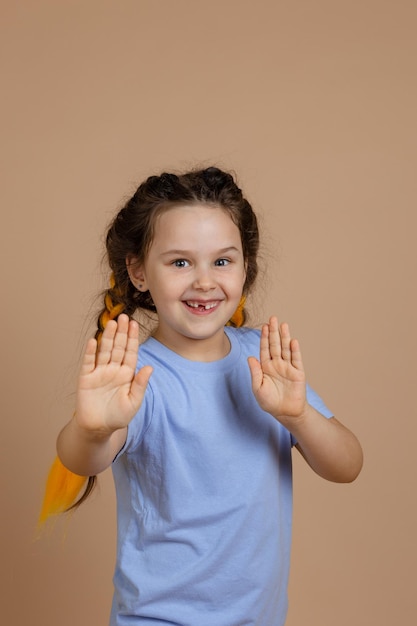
{"x":199,"y":427}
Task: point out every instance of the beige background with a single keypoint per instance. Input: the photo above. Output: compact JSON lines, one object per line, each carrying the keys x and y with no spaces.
{"x":313,"y":103}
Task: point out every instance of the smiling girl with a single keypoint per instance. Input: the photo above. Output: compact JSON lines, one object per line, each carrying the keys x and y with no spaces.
{"x":199,"y":422}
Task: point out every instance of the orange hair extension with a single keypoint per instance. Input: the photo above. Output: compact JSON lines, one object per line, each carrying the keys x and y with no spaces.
{"x":62,"y":485}
{"x":110,"y":313}
{"x":111,"y":310}
{"x":238,"y":317}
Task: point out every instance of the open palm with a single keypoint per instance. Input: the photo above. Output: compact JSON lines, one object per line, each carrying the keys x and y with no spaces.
{"x":278,"y":378}
{"x":109,"y":392}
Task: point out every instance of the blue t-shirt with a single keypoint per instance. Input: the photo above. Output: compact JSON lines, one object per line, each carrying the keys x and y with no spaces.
{"x":204,"y":497}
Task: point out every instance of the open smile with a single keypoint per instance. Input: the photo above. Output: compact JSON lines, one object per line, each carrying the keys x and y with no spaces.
{"x":201,"y":308}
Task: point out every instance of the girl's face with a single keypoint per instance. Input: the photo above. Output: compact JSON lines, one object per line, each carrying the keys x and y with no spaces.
{"x":195,"y":272}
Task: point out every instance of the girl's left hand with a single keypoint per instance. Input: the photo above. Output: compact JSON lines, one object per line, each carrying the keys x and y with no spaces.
{"x":278,"y":378}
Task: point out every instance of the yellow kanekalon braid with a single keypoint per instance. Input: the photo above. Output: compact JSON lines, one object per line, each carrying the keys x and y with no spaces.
{"x":238,"y":317}
{"x":62,"y":485}
{"x":112,"y":311}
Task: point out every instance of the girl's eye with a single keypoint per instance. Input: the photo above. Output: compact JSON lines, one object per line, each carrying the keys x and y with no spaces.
{"x":222,"y":262}
{"x":180,"y":263}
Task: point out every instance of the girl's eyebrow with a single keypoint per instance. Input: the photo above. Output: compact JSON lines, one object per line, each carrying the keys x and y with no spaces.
{"x":226,"y":250}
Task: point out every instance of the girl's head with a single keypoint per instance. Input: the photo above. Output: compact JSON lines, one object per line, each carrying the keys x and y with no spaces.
{"x":132,"y":231}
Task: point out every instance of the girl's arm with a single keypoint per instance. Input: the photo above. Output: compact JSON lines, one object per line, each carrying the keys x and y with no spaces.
{"x":330,"y":448}
{"x":108,"y":396}
{"x":279,"y":385}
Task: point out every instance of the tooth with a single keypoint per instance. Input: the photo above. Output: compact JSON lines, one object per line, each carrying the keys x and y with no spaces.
{"x":196,"y":305}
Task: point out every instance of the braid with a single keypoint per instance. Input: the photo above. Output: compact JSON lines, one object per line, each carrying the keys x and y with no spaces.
{"x":113,"y":306}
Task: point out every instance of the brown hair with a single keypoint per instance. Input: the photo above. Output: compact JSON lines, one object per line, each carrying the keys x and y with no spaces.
{"x":132,"y":230}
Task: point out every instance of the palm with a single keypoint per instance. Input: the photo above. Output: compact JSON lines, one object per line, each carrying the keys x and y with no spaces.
{"x":278,"y":379}
{"x":109,"y":393}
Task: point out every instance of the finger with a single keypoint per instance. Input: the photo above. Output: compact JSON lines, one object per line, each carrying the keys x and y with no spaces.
{"x":296,"y":358}
{"x":275,"y":347}
{"x":285,"y":342}
{"x":264,"y":351}
{"x":106,"y":343}
{"x":256,"y":373}
{"x":89,"y":359}
{"x":120,"y":339}
{"x":139,"y":383}
{"x":132,"y":345}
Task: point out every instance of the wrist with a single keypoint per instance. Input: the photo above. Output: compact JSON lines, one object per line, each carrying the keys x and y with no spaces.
{"x":90,"y":433}
{"x":289,"y":420}
{"x":88,"y":451}
{"x":299,"y":414}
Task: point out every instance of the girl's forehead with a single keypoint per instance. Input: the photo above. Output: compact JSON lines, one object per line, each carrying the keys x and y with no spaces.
{"x":195,"y":217}
{"x":194,"y":225}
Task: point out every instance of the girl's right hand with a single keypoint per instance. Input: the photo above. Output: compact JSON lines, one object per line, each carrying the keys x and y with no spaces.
{"x":109,"y":392}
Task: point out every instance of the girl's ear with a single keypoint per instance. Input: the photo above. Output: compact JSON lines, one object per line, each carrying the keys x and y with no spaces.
{"x":136,"y":273}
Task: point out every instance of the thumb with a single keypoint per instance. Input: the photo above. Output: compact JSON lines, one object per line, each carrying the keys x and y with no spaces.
{"x":140,"y":382}
{"x":256,"y":373}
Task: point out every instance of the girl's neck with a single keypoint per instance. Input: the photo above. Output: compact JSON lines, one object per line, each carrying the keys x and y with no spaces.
{"x":203,"y":350}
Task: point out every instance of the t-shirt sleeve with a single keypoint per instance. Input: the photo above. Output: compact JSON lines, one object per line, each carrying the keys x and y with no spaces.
{"x":316,"y":402}
{"x":139,"y":423}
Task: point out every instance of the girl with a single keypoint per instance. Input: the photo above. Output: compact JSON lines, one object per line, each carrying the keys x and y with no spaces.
{"x":199,"y":427}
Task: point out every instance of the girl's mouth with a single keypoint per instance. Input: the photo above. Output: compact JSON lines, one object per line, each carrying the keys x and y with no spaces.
{"x":201,"y":307}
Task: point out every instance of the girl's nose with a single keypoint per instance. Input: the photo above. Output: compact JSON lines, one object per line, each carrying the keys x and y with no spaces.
{"x":203,"y":280}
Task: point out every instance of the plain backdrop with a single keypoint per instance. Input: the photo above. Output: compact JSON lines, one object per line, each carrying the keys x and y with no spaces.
{"x":313,"y":104}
